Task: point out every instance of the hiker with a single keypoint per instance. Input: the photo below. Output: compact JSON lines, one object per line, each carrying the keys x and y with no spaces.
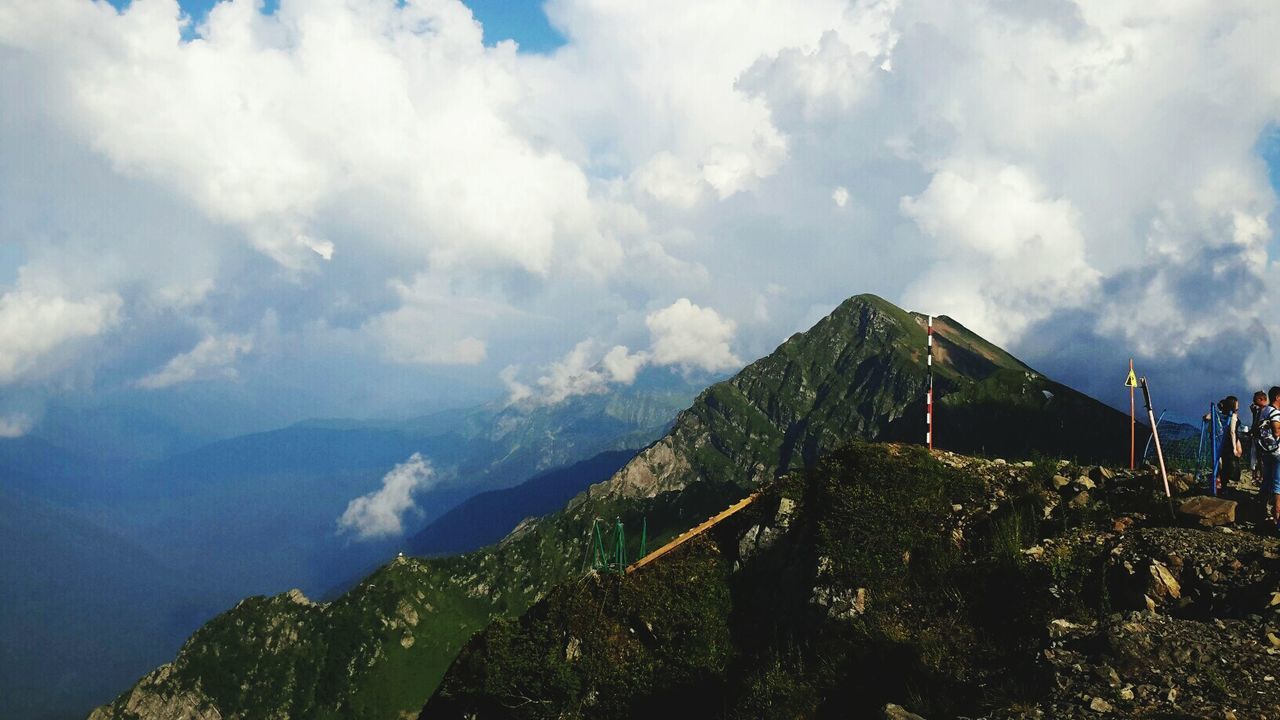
{"x":1267,"y":442}
{"x":1230,"y":451}
{"x":1255,"y":457}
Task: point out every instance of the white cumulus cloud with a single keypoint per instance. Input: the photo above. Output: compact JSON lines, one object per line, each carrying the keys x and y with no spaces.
{"x":36,"y":326}
{"x":692,"y":337}
{"x":212,"y":357}
{"x":682,"y":335}
{"x":517,"y":391}
{"x":397,"y":190}
{"x":622,"y":365}
{"x":380,"y":514}
{"x":988,"y":219}
{"x":574,"y":374}
{"x":840,"y":196}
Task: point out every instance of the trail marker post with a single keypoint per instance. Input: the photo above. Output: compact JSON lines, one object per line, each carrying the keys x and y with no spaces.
{"x":1131,"y":382}
{"x":928,"y":395}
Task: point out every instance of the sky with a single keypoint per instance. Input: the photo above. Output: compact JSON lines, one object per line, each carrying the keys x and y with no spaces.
{"x":371,"y":207}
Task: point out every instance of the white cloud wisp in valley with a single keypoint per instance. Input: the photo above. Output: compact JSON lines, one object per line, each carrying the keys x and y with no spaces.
{"x":380,"y":514}
{"x":212,"y":357}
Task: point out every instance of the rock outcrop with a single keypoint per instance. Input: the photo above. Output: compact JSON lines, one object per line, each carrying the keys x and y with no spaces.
{"x":1208,"y":511}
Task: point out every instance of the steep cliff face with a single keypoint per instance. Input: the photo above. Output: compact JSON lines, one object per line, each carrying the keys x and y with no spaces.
{"x":858,"y":373}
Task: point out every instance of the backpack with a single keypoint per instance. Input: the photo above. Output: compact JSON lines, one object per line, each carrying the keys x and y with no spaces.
{"x":1264,"y":439}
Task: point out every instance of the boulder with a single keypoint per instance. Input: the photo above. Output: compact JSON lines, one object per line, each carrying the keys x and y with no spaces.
{"x":1179,"y":483}
{"x":1208,"y":511}
{"x":1163,"y":585}
{"x":1101,"y":474}
{"x":1061,"y":628}
{"x":1080,"y":500}
{"x":1050,"y":503}
{"x":762,"y":537}
{"x":1060,"y":481}
{"x":840,"y":604}
{"x":897,"y":712}
{"x":1084,"y":483}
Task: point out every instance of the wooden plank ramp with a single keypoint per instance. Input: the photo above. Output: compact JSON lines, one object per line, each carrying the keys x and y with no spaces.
{"x":692,"y":533}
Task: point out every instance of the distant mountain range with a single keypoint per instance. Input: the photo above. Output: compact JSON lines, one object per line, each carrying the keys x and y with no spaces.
{"x":83,"y":608}
{"x":150,"y":548}
{"x":382,"y":649}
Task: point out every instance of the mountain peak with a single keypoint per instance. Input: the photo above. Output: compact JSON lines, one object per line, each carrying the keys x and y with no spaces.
{"x":859,"y":373}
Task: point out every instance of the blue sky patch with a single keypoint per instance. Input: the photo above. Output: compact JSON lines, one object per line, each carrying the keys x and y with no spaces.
{"x":519,"y":20}
{"x":1269,"y":149}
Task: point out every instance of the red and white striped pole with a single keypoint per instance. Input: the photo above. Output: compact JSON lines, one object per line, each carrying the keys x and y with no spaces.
{"x":928,"y":397}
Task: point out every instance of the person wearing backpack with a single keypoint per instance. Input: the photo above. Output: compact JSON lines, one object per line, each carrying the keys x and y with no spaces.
{"x":1255,"y":457}
{"x":1267,"y":442}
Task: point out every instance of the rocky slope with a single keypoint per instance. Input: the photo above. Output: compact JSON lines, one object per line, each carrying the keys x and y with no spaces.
{"x":885,"y":582}
{"x":858,"y":373}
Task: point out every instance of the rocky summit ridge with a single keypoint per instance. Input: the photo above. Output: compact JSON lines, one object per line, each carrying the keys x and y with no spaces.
{"x":888,"y":582}
{"x":858,"y":374}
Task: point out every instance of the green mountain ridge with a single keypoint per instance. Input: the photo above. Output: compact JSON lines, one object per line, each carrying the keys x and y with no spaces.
{"x":858,"y":373}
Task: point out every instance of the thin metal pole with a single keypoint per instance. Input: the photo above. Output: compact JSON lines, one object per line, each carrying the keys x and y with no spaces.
{"x":1155,"y":436}
{"x":599,"y":562}
{"x":1204,"y":429}
{"x":644,"y":536}
{"x":1146,"y":449}
{"x":1213,"y":438}
{"x":620,"y":549}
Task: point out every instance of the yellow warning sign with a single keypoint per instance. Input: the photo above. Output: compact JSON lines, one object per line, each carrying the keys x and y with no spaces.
{"x":1131,"y":381}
